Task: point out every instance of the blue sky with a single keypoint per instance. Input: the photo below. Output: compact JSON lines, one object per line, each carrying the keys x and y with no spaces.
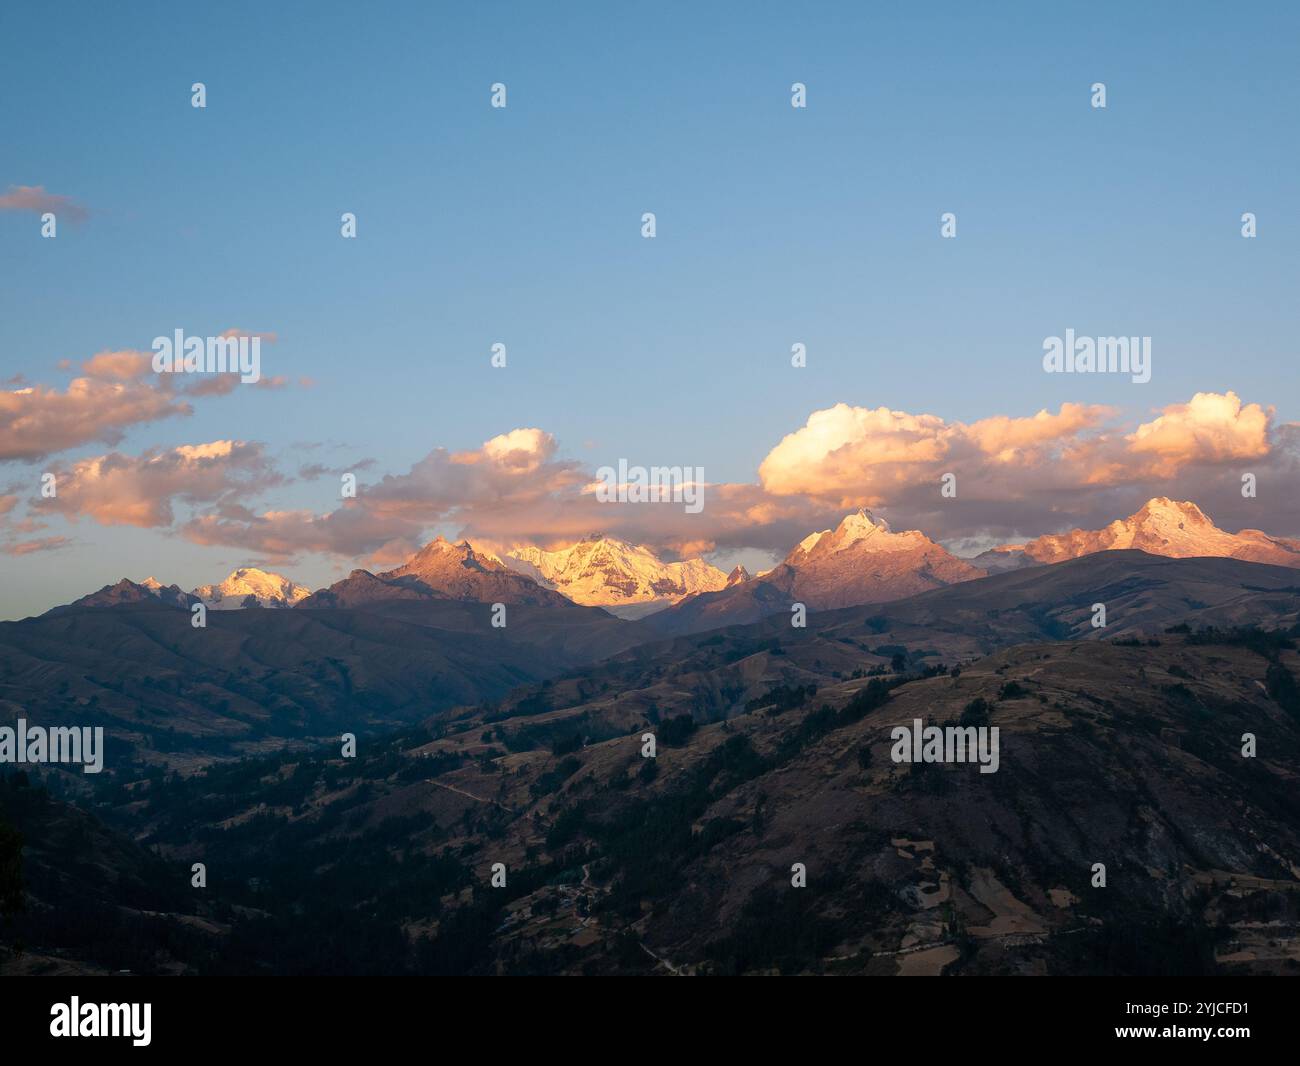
{"x":521,"y":225}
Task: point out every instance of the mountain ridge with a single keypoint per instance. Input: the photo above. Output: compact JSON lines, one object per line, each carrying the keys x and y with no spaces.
{"x":439,"y":570}
{"x":1161,"y":526}
{"x":860,"y":561}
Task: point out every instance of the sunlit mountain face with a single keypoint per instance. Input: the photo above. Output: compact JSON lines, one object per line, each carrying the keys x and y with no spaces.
{"x":1175,"y":528}
{"x":607,"y":572}
{"x":250,"y":586}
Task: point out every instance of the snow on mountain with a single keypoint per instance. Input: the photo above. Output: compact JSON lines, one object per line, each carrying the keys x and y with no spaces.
{"x":863,"y":561}
{"x":606,"y":572}
{"x":1174,"y":528}
{"x":439,"y":570}
{"x":250,"y":587}
{"x":127,"y":592}
{"x":465,"y":572}
{"x":808,"y":543}
{"x":860,"y":561}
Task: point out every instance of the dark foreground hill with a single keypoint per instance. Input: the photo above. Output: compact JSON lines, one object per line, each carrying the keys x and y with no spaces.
{"x":172,"y":694}
{"x":169,"y":694}
{"x":718,"y":673}
{"x":1128,"y":755}
{"x":92,"y":900}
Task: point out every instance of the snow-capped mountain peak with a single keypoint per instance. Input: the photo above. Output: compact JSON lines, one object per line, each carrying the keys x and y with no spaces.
{"x":858,"y":532}
{"x":809,"y":542}
{"x":858,"y":526}
{"x":863,"y":561}
{"x":250,"y":586}
{"x":859,"y":561}
{"x":1178,"y":529}
{"x":1163,"y":514}
{"x":603,"y":571}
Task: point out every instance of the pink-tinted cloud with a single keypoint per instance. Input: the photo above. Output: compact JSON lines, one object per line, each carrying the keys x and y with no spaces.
{"x":11,"y":530}
{"x":511,"y":490}
{"x":516,"y":468}
{"x":519,"y":467}
{"x":1025,"y":476}
{"x":350,"y":531}
{"x":116,"y":390}
{"x":118,"y":366}
{"x":30,"y":547}
{"x":1212,"y":428}
{"x":864,"y":457}
{"x":35,"y":199}
{"x":225,"y":384}
{"x":118,"y":489}
{"x":265,"y":338}
{"x":36,"y":421}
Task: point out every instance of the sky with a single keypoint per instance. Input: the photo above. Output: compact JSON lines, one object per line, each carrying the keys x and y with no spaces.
{"x":522,"y":226}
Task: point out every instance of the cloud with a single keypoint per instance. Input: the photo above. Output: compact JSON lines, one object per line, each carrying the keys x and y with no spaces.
{"x":1212,"y":428}
{"x":863,"y":457}
{"x":1034,"y":474}
{"x":513,"y":489}
{"x":117,"y":489}
{"x":516,"y":471}
{"x":116,"y":390}
{"x":118,"y":366}
{"x":265,"y":338}
{"x":316,"y":471}
{"x":37,"y":421}
{"x":35,"y":199}
{"x":225,"y":384}
{"x":1015,"y":475}
{"x":30,"y":547}
{"x":9,"y":545}
{"x":350,"y":532}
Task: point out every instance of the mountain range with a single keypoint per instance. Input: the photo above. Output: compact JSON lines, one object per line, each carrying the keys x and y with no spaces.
{"x":860,"y":561}
{"x":246,"y":587}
